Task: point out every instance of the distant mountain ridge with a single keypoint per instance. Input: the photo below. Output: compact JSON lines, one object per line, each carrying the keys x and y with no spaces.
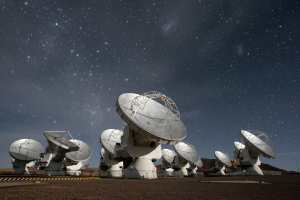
{"x":209,"y":163}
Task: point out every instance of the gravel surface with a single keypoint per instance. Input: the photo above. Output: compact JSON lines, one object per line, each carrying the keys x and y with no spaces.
{"x":281,"y":187}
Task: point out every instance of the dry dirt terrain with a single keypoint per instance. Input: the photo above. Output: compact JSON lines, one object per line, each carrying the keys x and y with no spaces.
{"x":280,"y":187}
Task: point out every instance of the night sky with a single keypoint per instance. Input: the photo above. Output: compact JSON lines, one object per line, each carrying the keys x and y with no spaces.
{"x":228,"y":66}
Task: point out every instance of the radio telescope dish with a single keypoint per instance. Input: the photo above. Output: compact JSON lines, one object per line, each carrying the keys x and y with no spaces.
{"x":168,"y":155}
{"x":149,"y":124}
{"x":83,"y":153}
{"x":256,"y":145}
{"x":26,"y":149}
{"x":53,"y":159}
{"x":77,"y":161}
{"x":109,"y":138}
{"x":23,"y":153}
{"x":222,"y":161}
{"x":246,"y":156}
{"x":187,"y":152}
{"x":111,"y":167}
{"x":60,"y":143}
{"x":187,"y":160}
{"x":238,"y":146}
{"x":223,"y":158}
{"x":157,"y":122}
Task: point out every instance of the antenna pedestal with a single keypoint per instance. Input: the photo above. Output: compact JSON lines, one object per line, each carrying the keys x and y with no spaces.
{"x":219,"y":168}
{"x":142,"y":151}
{"x":76,"y":169}
{"x":21,"y":167}
{"x":182,"y":166}
{"x":141,"y":168}
{"x":169,"y":172}
{"x":53,"y":169}
{"x":110,"y":167}
{"x":51,"y":162}
{"x":248,"y":162}
{"x":192,"y":170}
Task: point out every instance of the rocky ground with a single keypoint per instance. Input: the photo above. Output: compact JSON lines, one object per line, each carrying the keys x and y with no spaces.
{"x":280,"y":187}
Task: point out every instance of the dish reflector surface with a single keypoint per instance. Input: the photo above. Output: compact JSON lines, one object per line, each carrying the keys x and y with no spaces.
{"x":256,"y":145}
{"x":109,"y":138}
{"x":186,"y":151}
{"x":168,"y":155}
{"x":223,"y":158}
{"x":26,"y":149}
{"x":60,"y":143}
{"x":83,"y":153}
{"x":199,"y":163}
{"x":158,"y":122}
{"x":238,"y":146}
{"x":102,"y":152}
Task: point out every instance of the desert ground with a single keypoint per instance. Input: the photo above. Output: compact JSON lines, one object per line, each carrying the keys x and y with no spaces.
{"x":272,"y":187}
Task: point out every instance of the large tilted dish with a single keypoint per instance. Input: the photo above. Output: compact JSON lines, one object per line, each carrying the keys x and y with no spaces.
{"x":187,"y":152}
{"x":168,"y":155}
{"x":151,"y":119}
{"x":83,"y":153}
{"x":223,"y":158}
{"x":256,"y":145}
{"x":60,"y":143}
{"x":26,"y":149}
{"x":109,"y":138}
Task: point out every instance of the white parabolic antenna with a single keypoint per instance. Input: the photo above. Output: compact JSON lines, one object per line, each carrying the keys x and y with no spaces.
{"x":187,"y":159}
{"x":149,"y":124}
{"x":60,"y":143}
{"x":256,"y":145}
{"x":168,"y":155}
{"x":247,"y":156}
{"x":238,"y":146}
{"x":53,"y":159}
{"x":223,"y":158}
{"x":109,"y":138}
{"x":154,"y":121}
{"x":187,"y":152}
{"x":77,"y":161}
{"x":26,"y":149}
{"x":83,"y":153}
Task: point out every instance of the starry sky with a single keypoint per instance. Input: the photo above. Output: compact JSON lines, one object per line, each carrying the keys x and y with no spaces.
{"x":228,"y":66}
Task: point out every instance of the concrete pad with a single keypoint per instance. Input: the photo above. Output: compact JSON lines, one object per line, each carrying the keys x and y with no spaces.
{"x":245,"y":181}
{"x":7,"y":184}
